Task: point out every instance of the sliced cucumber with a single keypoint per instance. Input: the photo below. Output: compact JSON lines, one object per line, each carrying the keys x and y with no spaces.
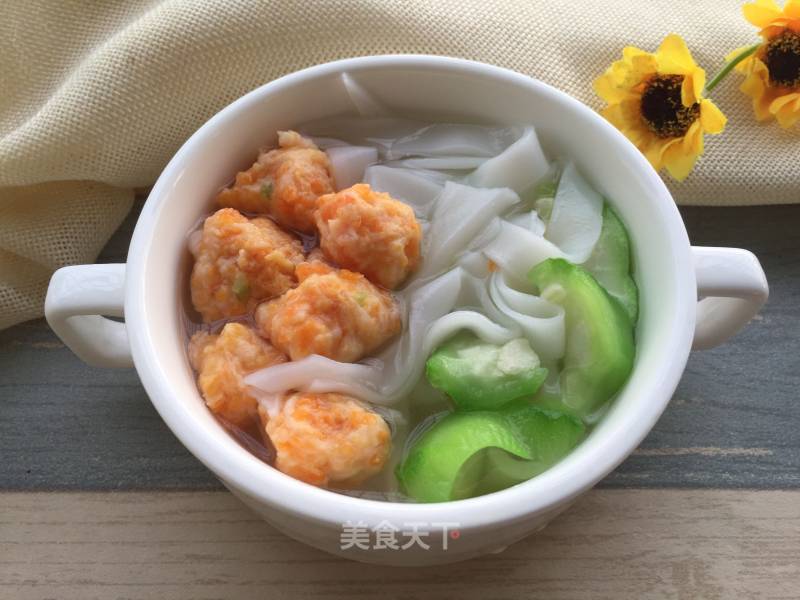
{"x":471,"y":453}
{"x":479,"y":375}
{"x":431,"y":468}
{"x":610,"y":263}
{"x":599,"y":349}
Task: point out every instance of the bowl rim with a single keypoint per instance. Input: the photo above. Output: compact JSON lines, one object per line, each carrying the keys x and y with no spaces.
{"x":247,"y":474}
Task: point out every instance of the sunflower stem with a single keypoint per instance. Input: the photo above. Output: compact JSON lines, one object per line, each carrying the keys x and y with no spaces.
{"x":730,"y":65}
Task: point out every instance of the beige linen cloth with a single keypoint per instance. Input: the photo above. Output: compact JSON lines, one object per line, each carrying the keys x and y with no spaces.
{"x":96,"y":96}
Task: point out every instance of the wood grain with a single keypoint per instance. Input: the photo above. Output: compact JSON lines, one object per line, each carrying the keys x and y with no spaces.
{"x":705,"y":544}
{"x":732,"y":423}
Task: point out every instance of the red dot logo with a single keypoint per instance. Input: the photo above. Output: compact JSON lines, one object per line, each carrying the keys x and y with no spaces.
{"x":455,"y":534}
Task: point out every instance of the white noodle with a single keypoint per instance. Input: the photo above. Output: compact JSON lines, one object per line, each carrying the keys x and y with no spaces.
{"x":379,"y":131}
{"x":577,"y":216}
{"x":520,"y":166}
{"x":541,"y":322}
{"x":529,"y":220}
{"x":449,"y":139}
{"x":516,"y":251}
{"x":441,"y":163}
{"x":348,"y":164}
{"x":461,"y":213}
{"x":416,"y":190}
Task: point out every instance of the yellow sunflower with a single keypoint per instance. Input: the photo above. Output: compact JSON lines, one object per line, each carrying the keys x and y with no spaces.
{"x":773,"y":71}
{"x":657,"y":101}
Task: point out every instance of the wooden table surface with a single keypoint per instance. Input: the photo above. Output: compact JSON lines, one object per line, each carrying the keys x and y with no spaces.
{"x":100,"y":500}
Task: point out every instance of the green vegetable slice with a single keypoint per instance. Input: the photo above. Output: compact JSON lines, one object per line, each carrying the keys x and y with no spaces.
{"x":610,"y":263}
{"x":470,"y":453}
{"x":479,"y":375}
{"x":599,"y":350}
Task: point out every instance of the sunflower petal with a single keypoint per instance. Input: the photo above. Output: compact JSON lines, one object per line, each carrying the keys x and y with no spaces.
{"x":692,"y":87}
{"x":786,"y":109}
{"x":654,"y":152}
{"x":678,"y":163}
{"x":605,"y":87}
{"x":787,"y":118}
{"x":628,"y":52}
{"x":761,"y":12}
{"x":711,"y":117}
{"x":642,"y":66}
{"x":674,"y":57}
{"x":782,"y":101}
{"x":699,"y":81}
{"x":756,"y":86}
{"x":792,"y":9}
{"x":693,"y":140}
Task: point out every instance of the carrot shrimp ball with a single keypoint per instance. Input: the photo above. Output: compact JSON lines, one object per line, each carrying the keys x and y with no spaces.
{"x":222,"y":361}
{"x":369,"y":232}
{"x":333,"y":312}
{"x":327,"y":439}
{"x":241,"y":262}
{"x":315,"y":264}
{"x":284,"y":183}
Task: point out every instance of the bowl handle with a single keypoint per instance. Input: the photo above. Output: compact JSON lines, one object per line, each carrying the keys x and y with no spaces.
{"x":731,"y":288}
{"x":76,"y":299}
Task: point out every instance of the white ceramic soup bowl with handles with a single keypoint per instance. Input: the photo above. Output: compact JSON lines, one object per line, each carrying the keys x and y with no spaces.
{"x":150,"y":288}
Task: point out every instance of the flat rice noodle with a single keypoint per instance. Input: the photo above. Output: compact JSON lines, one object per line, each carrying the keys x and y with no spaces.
{"x":577,"y":216}
{"x":517,"y":250}
{"x":542,"y":322}
{"x":450,"y":139}
{"x":475,"y":263}
{"x":348,"y":164}
{"x":387,"y":379}
{"x":520,"y":166}
{"x":324,"y":143}
{"x":417,"y":191}
{"x":529,"y":220}
{"x":380,"y":132}
{"x":440,"y":163}
{"x":460,"y":215}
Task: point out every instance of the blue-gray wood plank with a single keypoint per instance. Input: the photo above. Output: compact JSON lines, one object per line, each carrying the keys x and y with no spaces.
{"x":732,"y":423}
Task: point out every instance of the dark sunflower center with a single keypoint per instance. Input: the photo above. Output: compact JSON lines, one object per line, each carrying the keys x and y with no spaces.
{"x":783,"y":59}
{"x":662,"y":109}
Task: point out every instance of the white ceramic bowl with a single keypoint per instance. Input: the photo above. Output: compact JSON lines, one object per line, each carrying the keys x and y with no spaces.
{"x":669,"y":272}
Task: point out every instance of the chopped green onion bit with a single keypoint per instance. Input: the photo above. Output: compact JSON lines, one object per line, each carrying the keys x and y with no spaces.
{"x":241,"y":287}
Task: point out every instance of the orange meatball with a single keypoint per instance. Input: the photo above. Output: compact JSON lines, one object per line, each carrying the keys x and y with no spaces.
{"x":284,"y":183}
{"x":327,"y":439}
{"x":241,"y":262}
{"x":333,"y":312}
{"x":315,"y":264}
{"x":222,"y":361}
{"x":369,"y":232}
